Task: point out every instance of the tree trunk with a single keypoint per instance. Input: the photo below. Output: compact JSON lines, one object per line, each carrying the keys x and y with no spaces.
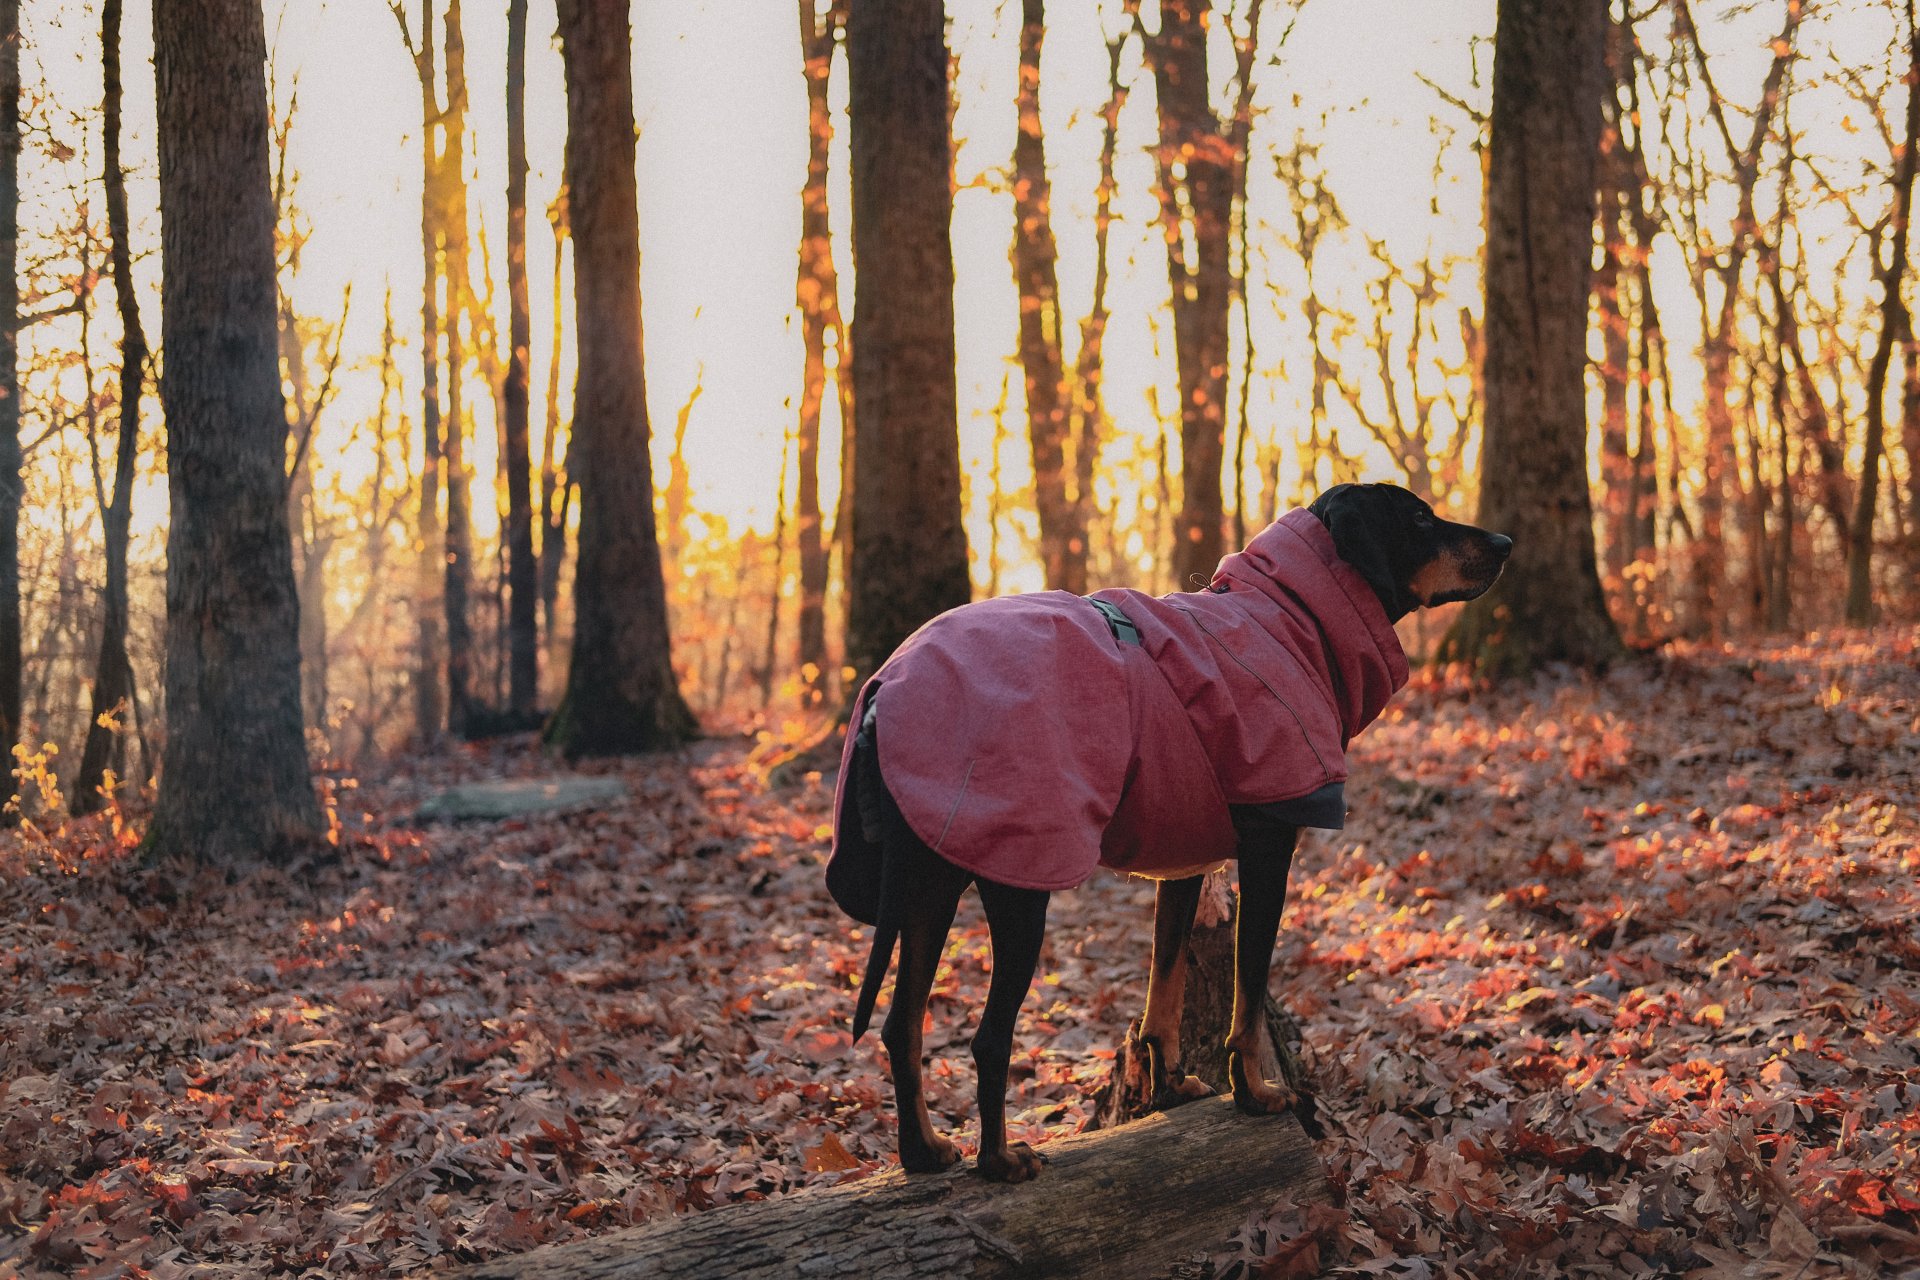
{"x":453,"y":231}
{"x":1719,"y":335}
{"x":1137,"y":1201}
{"x":909,"y":558}
{"x":309,"y":549}
{"x":1780,"y":594}
{"x":1196,"y":165}
{"x":523,"y":573}
{"x":235,"y":784}
{"x":430,"y":709}
{"x":677,"y":502}
{"x":770,"y":656}
{"x":1089,"y":365}
{"x":814,"y":291}
{"x":1896,"y":326}
{"x":1834,"y":491}
{"x":556,"y":487}
{"x":1644,"y":486}
{"x":1206,"y":1015}
{"x":1911,"y":438}
{"x":113,"y":673}
{"x":1548,"y":80}
{"x":1609,"y":291}
{"x":622,"y":695}
{"x":1063,"y":545}
{"x":11,"y":483}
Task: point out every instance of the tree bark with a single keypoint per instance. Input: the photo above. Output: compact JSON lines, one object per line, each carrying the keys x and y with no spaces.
{"x":770,"y":656}
{"x":453,"y":232}
{"x":1643,"y":486}
{"x":622,"y":695}
{"x":909,"y":558}
{"x":430,"y":708}
{"x":814,"y":292}
{"x":1910,"y":438}
{"x":1132,"y":1202}
{"x":1063,"y":543}
{"x":1206,"y":1015}
{"x":1548,"y":80}
{"x":113,"y":672}
{"x":1089,"y":404}
{"x":523,"y":573}
{"x":1896,"y":326}
{"x":1609,"y":291}
{"x":1195,"y":163}
{"x":309,"y":545}
{"x":11,"y":483}
{"x":235,"y":784}
{"x":1780,"y":593}
{"x":556,"y":487}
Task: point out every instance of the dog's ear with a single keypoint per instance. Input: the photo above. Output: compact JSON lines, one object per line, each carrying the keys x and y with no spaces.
{"x":1364,"y":526}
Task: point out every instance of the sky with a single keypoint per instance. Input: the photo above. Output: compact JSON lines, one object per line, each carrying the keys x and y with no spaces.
{"x":722,"y":146}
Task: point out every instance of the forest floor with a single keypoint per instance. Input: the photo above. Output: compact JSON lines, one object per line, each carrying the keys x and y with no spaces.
{"x":1614,"y":976}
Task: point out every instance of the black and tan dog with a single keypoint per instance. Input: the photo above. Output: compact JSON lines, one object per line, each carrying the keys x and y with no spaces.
{"x":1014,"y":744}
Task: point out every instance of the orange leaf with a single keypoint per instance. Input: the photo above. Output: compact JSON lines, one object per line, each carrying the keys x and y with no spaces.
{"x":829,"y":1157}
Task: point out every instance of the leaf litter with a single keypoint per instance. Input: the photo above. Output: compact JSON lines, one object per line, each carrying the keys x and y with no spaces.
{"x":1613,"y":976}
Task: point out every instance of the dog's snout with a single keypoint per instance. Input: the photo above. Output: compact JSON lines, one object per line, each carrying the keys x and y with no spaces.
{"x":1500,"y":544}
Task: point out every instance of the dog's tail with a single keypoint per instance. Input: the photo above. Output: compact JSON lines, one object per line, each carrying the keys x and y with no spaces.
{"x":885,"y":934}
{"x":877,"y":816}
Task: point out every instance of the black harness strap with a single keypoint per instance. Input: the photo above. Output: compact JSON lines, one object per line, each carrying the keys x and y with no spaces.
{"x":1117,"y":622}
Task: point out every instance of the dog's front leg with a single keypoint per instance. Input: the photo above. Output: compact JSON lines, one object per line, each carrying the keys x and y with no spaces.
{"x":1174,"y":904}
{"x":1265,"y":860}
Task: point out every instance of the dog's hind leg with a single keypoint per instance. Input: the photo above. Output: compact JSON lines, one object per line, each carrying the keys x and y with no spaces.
{"x":931,"y":891}
{"x":1265,"y":859}
{"x":1017,"y":920}
{"x":1174,"y":904}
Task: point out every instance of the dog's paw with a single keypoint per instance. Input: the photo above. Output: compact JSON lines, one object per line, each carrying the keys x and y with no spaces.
{"x":1254,"y":1096}
{"x":1016,"y":1162}
{"x":932,"y":1157}
{"x":1170,"y":1086}
{"x":1178,"y":1089}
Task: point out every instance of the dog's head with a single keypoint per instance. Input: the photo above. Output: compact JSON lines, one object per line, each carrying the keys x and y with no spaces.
{"x":1409,"y":556}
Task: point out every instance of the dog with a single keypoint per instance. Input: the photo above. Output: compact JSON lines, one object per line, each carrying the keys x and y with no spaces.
{"x":1016,"y":743}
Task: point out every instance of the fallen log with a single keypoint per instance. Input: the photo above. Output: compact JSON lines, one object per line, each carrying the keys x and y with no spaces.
{"x":1132,"y":1201}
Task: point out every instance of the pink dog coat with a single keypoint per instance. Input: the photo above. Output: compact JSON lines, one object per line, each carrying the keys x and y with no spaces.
{"x":1025,"y":742}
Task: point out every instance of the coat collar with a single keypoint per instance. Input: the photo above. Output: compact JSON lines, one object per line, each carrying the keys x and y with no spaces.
{"x":1293,"y":563}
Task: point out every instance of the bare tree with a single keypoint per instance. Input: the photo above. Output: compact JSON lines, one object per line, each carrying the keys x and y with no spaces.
{"x":11,"y":485}
{"x":235,"y":783}
{"x":523,"y":572}
{"x":454,"y":242}
{"x":1200,"y":161}
{"x":1089,"y":368}
{"x":622,"y":695}
{"x":1548,"y":81}
{"x":1896,"y":327}
{"x":909,"y":558}
{"x":113,"y":688}
{"x":1725,"y":264}
{"x":556,"y":487}
{"x":817,"y":293}
{"x":312,"y":538}
{"x":1063,"y":538}
{"x":429,"y":704}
